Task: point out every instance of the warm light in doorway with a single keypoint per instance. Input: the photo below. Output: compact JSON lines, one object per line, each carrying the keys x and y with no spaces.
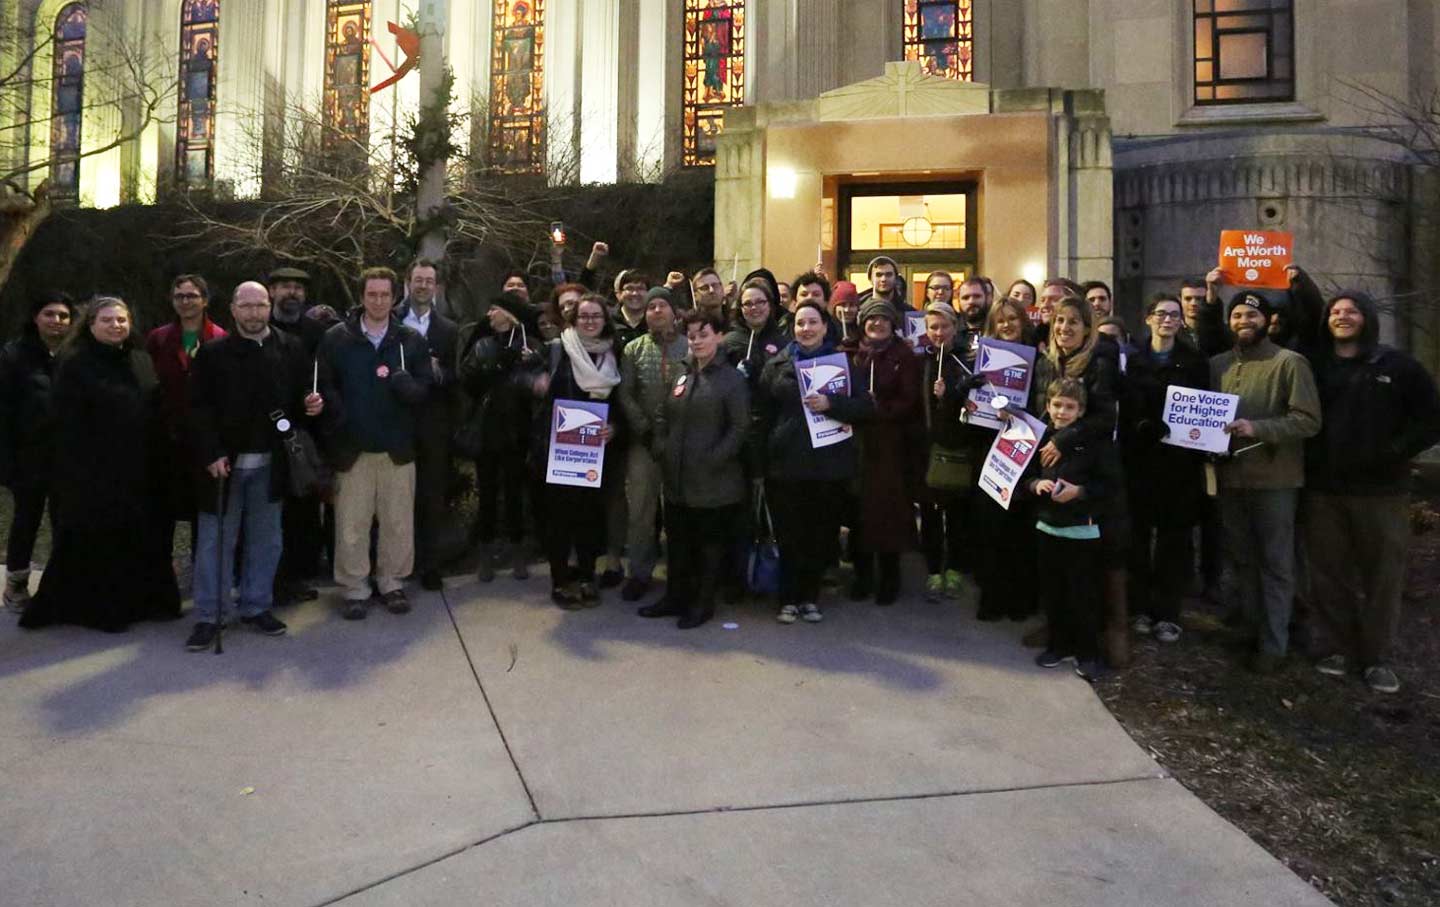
{"x":783,"y":181}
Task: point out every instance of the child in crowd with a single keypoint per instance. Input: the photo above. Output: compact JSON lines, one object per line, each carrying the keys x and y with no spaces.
{"x":1070,"y":495}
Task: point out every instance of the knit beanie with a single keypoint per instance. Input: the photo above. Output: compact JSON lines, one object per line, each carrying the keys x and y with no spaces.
{"x":660,"y":293}
{"x":1246,"y":297}
{"x":881,"y":308}
{"x":844,"y":293}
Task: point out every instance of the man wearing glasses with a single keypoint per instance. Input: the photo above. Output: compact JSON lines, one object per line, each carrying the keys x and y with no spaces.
{"x":173,"y":348}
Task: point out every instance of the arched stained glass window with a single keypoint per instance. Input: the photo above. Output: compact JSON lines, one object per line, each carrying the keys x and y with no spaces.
{"x":940,"y":35}
{"x":517,"y":87}
{"x":195,"y":123}
{"x":67,"y":99}
{"x":714,"y":73}
{"x":347,"y":68}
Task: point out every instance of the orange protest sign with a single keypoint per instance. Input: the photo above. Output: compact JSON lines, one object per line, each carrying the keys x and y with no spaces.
{"x":1256,"y":258}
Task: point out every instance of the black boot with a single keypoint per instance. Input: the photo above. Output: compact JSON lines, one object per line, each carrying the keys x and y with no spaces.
{"x":864,"y":581}
{"x":889,"y":588}
{"x":662,"y":608}
{"x":702,"y":606}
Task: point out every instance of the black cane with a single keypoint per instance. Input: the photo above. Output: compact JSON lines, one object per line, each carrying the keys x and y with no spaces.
{"x":222,"y":582}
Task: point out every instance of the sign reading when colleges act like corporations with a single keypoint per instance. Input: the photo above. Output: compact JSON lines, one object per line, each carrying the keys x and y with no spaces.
{"x":914,"y":329}
{"x":1013,"y":448}
{"x":1197,"y":419}
{"x":1007,"y":369}
{"x":577,"y":453}
{"x":830,"y":376}
{"x":1256,"y":258}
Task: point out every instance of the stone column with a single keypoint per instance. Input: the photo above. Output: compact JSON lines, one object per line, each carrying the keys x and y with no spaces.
{"x":739,"y":193}
{"x":816,"y":47}
{"x":599,"y":90}
{"x":1089,"y":247}
{"x":562,"y":89}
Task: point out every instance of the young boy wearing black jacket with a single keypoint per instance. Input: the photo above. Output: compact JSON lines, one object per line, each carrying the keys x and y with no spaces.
{"x":1071,"y":498}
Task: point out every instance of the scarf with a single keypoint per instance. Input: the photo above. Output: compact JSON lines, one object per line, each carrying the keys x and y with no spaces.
{"x":798,"y":354}
{"x":597,"y":381}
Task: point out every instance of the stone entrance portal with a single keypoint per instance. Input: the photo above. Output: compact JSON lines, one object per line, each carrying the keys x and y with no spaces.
{"x":932,"y":172}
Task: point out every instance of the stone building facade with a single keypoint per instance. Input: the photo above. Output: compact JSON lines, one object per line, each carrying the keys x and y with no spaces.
{"x":1165,"y":120}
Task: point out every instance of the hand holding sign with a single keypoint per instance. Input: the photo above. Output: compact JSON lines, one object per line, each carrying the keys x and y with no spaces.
{"x":1256,"y":258}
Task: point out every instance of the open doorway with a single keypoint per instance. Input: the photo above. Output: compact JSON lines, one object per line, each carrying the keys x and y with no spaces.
{"x":925,"y":227}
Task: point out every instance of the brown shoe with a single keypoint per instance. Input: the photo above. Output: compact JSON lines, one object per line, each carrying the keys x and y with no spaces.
{"x":1037,"y":638}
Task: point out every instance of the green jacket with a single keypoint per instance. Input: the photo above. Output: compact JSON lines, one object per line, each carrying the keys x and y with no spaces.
{"x":1277,"y":394}
{"x":642,"y":386}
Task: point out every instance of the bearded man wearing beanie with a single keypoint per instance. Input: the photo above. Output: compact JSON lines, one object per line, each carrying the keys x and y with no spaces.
{"x":1261,"y":479}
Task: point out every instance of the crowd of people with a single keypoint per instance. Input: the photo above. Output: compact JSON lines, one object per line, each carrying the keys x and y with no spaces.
{"x":305,"y":435}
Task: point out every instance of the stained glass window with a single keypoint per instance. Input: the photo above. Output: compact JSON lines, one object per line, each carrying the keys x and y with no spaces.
{"x":1244,"y":51}
{"x":195,"y":123}
{"x":714,"y":73}
{"x":940,"y":35}
{"x":517,"y":87}
{"x":347,"y":68}
{"x":67,"y":99}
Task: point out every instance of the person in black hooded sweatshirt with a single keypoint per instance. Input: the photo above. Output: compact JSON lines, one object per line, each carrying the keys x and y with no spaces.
{"x":1379,"y":409}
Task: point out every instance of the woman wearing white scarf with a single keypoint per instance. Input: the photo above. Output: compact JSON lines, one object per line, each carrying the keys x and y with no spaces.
{"x":583,"y":365}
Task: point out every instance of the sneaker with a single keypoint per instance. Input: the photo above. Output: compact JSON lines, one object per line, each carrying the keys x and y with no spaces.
{"x":202,"y":637}
{"x":787,"y":614}
{"x":1334,"y":665}
{"x":1091,"y":669}
{"x":954,"y":584}
{"x":1049,"y":659}
{"x":485,"y":566}
{"x":1381,"y":679}
{"x":634,"y":589}
{"x":396,"y":602}
{"x":354,"y":609}
{"x":17,"y":590}
{"x":811,"y":614}
{"x":1167,"y":631}
{"x":520,"y":563}
{"x":1143,"y":625}
{"x":264,"y":622}
{"x":934,"y":587}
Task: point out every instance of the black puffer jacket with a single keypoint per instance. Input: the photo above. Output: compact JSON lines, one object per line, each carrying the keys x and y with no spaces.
{"x":27,"y":429}
{"x":1089,"y":464}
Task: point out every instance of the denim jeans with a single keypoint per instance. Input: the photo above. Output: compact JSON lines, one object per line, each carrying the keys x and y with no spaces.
{"x":1259,"y":533}
{"x":248,"y":499}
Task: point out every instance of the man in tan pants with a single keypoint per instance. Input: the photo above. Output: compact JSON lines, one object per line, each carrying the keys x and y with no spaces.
{"x":374,"y":371}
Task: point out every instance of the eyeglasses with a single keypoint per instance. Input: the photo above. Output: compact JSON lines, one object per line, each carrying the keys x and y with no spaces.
{"x":185,"y":297}
{"x":589,"y":317}
{"x":1166,"y":316}
{"x":754,"y":303}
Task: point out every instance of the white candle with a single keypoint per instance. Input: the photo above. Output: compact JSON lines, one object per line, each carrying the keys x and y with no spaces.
{"x":315,"y":379}
{"x":402,"y":356}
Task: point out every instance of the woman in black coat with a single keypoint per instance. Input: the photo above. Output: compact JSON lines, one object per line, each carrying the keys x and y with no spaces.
{"x":1166,"y":484}
{"x":582,"y":365}
{"x":805,"y":485}
{"x":27,"y":433}
{"x":500,"y":361}
{"x":110,"y":566}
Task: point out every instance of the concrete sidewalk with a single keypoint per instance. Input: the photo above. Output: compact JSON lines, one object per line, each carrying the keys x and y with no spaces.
{"x":491,"y":749}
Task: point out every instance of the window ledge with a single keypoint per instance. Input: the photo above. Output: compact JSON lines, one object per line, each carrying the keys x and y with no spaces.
{"x":1239,"y":114}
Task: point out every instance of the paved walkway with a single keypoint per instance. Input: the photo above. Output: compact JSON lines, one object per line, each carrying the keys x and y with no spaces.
{"x":491,"y":749}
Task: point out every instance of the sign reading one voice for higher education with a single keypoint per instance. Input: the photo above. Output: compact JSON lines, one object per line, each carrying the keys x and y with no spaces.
{"x":577,"y":455}
{"x":828,"y":375}
{"x":1008,"y":369}
{"x":1197,"y":419}
{"x":1256,"y":258}
{"x":1014,"y":446}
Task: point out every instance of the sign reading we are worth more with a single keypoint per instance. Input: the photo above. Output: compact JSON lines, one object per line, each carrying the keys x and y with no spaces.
{"x":1256,"y":258}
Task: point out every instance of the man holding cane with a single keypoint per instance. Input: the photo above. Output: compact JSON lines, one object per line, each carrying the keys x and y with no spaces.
{"x":247,"y":392}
